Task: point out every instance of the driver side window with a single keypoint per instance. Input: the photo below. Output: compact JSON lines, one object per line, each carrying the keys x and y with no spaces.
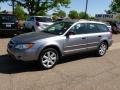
{"x":79,"y":28}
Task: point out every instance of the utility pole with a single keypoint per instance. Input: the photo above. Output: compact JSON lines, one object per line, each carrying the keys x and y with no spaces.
{"x":86,"y":8}
{"x":13,"y":6}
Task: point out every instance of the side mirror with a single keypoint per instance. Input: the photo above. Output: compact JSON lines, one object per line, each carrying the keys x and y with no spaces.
{"x":70,"y":33}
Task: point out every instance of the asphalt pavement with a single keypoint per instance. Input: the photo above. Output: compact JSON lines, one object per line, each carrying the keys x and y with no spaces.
{"x":75,"y":72}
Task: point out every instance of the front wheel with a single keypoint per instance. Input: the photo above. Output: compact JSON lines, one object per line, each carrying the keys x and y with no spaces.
{"x":102,"y":49}
{"x":48,"y":58}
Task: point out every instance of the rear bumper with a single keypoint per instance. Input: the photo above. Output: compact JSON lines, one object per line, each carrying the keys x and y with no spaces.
{"x":9,"y":31}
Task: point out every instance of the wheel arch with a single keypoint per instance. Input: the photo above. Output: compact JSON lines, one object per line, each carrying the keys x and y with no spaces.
{"x":105,"y":41}
{"x":54,"y":47}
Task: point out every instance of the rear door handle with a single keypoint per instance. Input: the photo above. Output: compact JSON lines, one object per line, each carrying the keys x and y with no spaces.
{"x":100,"y":36}
{"x":84,"y":38}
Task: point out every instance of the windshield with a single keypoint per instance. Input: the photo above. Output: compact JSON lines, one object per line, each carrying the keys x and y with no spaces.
{"x":58,"y":28}
{"x":43,"y":19}
{"x":8,"y":18}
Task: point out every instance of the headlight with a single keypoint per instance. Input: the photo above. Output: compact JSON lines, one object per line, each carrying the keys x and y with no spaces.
{"x":24,"y":46}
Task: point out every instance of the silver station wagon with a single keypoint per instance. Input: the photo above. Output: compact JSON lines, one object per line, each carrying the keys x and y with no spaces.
{"x":60,"y":39}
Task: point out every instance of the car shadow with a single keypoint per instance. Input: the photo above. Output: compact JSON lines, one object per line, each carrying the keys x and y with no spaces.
{"x":76,"y":57}
{"x":11,"y":66}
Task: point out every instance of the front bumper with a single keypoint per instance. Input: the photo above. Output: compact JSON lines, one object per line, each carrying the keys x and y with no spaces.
{"x":23,"y":55}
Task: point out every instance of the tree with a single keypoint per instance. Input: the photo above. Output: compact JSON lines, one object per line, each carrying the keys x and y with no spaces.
{"x":42,"y":13}
{"x":61,"y":14}
{"x":58,"y":14}
{"x":91,"y":17}
{"x":73,"y":14}
{"x":19,"y":12}
{"x":83,"y":16}
{"x":115,"y":6}
{"x":54,"y":17}
{"x":2,"y":0}
{"x":36,"y":6}
{"x":12,"y":3}
{"x":108,"y":11}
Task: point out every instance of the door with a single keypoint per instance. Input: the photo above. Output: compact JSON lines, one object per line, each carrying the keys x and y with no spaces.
{"x":29,"y":23}
{"x":76,"y":39}
{"x":93,"y":35}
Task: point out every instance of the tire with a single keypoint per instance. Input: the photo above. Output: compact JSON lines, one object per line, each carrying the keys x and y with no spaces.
{"x":48,"y":58}
{"x":25,"y":30}
{"x":33,"y":29}
{"x":101,"y":51}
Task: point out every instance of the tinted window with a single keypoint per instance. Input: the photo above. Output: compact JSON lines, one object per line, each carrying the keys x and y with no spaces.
{"x":31,"y":18}
{"x":28,"y":19}
{"x":102,"y":28}
{"x":43,"y":19}
{"x":8,"y":18}
{"x":79,"y":28}
{"x":58,"y":28}
{"x":92,"y":28}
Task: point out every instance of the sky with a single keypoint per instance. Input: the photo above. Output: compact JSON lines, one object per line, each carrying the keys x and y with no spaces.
{"x":94,"y":6}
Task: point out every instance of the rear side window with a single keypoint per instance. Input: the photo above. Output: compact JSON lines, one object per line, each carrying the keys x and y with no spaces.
{"x":79,"y":28}
{"x":32,"y":19}
{"x":92,"y":28}
{"x":102,"y":28}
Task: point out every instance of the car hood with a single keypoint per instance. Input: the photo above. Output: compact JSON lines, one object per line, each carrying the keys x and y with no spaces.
{"x":31,"y":37}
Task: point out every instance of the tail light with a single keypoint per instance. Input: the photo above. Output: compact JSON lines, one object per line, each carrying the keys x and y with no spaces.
{"x":17,"y":24}
{"x":37,"y":24}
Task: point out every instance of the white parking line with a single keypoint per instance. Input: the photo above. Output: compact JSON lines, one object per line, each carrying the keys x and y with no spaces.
{"x":115,"y":46}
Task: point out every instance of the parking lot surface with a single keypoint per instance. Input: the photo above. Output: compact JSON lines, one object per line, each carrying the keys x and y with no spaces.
{"x":77,"y":72}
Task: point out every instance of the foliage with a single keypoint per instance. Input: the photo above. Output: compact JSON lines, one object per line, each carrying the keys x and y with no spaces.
{"x":76,"y":15}
{"x":42,"y":13}
{"x":82,"y":15}
{"x":115,"y":6}
{"x":36,"y":6}
{"x":61,"y":14}
{"x":73,"y":14}
{"x":19,"y":12}
{"x":55,"y":17}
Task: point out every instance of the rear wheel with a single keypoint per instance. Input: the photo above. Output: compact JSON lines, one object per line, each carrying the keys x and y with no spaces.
{"x":48,"y":58}
{"x":102,"y":49}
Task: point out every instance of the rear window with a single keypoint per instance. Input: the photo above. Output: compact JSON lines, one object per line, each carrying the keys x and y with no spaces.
{"x":7,"y":18}
{"x":43,"y":19}
{"x":102,"y":28}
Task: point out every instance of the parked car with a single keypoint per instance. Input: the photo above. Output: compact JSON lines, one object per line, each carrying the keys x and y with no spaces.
{"x":115,"y":28}
{"x":60,"y":39}
{"x":37,"y":23}
{"x":59,"y":19}
{"x":109,"y":26}
{"x":8,"y":24}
